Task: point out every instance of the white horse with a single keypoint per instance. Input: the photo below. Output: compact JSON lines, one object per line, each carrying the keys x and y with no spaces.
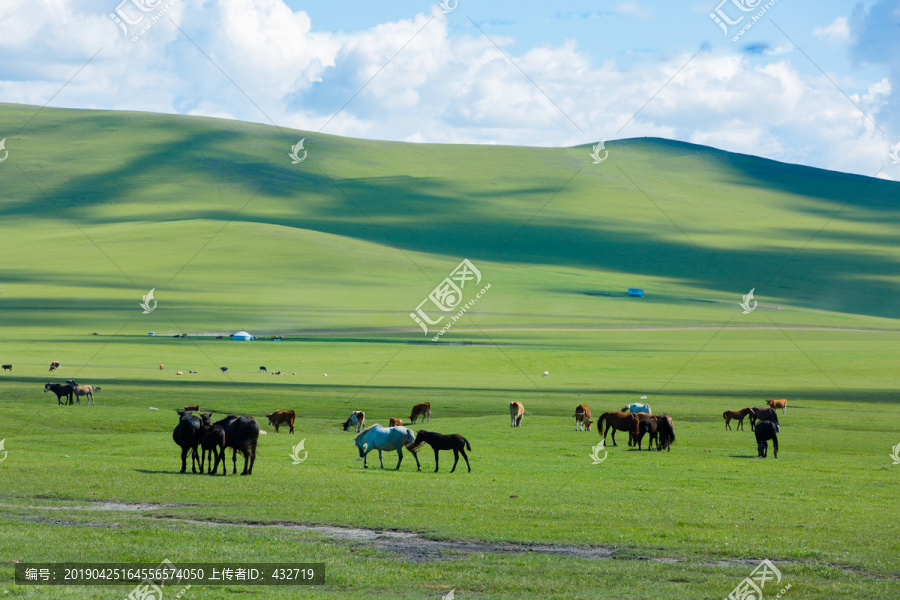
{"x":381,"y":438}
{"x":636,"y":408}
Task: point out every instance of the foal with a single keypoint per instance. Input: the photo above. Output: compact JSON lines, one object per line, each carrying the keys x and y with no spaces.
{"x":737,"y":415}
{"x":439,"y":441}
{"x":212,"y":443}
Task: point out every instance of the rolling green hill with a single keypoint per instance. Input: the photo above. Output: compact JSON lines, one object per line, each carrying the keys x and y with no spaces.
{"x":97,"y":207}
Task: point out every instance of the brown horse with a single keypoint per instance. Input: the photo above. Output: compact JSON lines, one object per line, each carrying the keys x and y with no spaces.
{"x":618,"y":421}
{"x":647,"y":423}
{"x":737,"y":415}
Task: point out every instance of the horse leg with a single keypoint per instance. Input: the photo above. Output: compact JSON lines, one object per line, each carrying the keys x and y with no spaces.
{"x":613,"y":434}
{"x":455,"y":459}
{"x":418,"y":464}
{"x":194,"y":460}
{"x":234,"y":461}
{"x":436,"y":453}
{"x":184,"y":452}
{"x":202,"y":458}
{"x":467,"y":459}
{"x":775,"y":445}
{"x":399,"y":457}
{"x":381,"y":459}
{"x":727,"y":421}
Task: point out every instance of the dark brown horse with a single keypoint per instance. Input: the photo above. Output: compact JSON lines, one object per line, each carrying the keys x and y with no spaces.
{"x":212,"y":443}
{"x":765,"y":431}
{"x":737,"y":415}
{"x":647,"y":424}
{"x":666,"y":432}
{"x":618,"y":421}
{"x":758,"y":413}
{"x":439,"y":441}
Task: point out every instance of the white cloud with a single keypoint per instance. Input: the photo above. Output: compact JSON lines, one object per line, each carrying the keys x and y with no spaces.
{"x":442,"y":87}
{"x":837,"y":31}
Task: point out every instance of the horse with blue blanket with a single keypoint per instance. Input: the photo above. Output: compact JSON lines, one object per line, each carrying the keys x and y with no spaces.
{"x":638,"y":408}
{"x":381,"y":438}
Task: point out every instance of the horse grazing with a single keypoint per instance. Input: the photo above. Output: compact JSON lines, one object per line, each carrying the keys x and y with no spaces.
{"x":263,"y":369}
{"x":666,"y":430}
{"x":516,"y":412}
{"x":187,"y":435}
{"x":7,"y":367}
{"x":395,"y":422}
{"x":636,"y":408}
{"x":60,"y":390}
{"x":357,"y":419}
{"x":775,"y":404}
{"x":762,"y":414}
{"x":647,"y":424}
{"x":83,"y":390}
{"x":582,"y":418}
{"x":381,"y":438}
{"x":241,"y":434}
{"x":618,"y":421}
{"x":422,"y":409}
{"x":212,"y":443}
{"x":765,"y":431}
{"x":439,"y":441}
{"x":737,"y":415}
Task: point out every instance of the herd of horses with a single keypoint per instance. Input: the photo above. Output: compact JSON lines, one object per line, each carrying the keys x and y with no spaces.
{"x":763,"y":422}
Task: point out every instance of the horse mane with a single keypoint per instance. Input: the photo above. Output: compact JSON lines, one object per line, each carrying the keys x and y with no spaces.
{"x":366,"y":430}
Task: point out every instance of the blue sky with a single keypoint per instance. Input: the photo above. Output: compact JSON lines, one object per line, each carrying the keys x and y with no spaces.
{"x":812,"y":83}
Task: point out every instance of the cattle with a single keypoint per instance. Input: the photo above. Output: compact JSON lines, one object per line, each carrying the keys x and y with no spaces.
{"x":161,"y":367}
{"x":212,"y":442}
{"x":762,"y":414}
{"x":516,"y":412}
{"x":54,"y":365}
{"x":195,"y":407}
{"x":223,"y":369}
{"x":422,"y":409}
{"x":618,"y":421}
{"x":282,"y":417}
{"x":7,"y":367}
{"x":277,"y":373}
{"x":241,"y":434}
{"x":357,"y":419}
{"x":582,"y":418}
{"x":192,"y":371}
{"x":737,"y":415}
{"x":60,"y":390}
{"x":765,"y":431}
{"x":666,"y":431}
{"x":395,"y":422}
{"x":179,"y":372}
{"x":439,"y":441}
{"x":637,"y":408}
{"x":263,"y":369}
{"x":187,"y":435}
{"x":775,"y":404}
{"x":83,"y":390}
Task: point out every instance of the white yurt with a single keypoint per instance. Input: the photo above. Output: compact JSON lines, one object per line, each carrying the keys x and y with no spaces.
{"x":242,"y":336}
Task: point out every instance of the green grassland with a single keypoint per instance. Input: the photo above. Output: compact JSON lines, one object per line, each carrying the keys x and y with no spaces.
{"x":97,"y":208}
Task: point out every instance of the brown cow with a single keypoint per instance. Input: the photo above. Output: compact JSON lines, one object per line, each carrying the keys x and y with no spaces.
{"x":782,"y":404}
{"x":395,"y":422}
{"x":282,"y":417}
{"x":194,"y":407}
{"x":423,"y":409}
{"x":161,"y":367}
{"x":618,"y":421}
{"x":516,"y":412}
{"x":582,"y":418}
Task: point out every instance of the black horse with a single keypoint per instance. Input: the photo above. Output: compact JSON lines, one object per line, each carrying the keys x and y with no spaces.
{"x":212,"y":443}
{"x":666,"y":432}
{"x":648,"y":424}
{"x":60,"y":389}
{"x":187,"y":435}
{"x":762,"y":414}
{"x":765,"y":431}
{"x":241,"y":433}
{"x":438,"y":442}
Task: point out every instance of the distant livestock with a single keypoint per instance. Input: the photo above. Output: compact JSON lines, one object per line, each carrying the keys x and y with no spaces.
{"x":762,"y":414}
{"x":54,"y":365}
{"x":263,"y":369}
{"x":161,"y":367}
{"x":618,"y":421}
{"x":775,"y":404}
{"x":194,"y":407}
{"x":241,"y":434}
{"x":357,"y":419}
{"x":381,"y":438}
{"x":765,"y":431}
{"x":423,"y":409}
{"x":282,"y":417}
{"x":7,"y":367}
{"x":395,"y":422}
{"x":582,"y":418}
{"x":736,"y":415}
{"x":516,"y":412}
{"x":83,"y":390}
{"x":187,"y":436}
{"x":60,"y":389}
{"x":666,"y":432}
{"x":638,"y":408}
{"x":179,"y":372}
{"x":439,"y":441}
{"x":223,"y":369}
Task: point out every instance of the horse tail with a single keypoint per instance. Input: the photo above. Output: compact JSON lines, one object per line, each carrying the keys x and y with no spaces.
{"x":600,"y":423}
{"x":468,"y":445}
